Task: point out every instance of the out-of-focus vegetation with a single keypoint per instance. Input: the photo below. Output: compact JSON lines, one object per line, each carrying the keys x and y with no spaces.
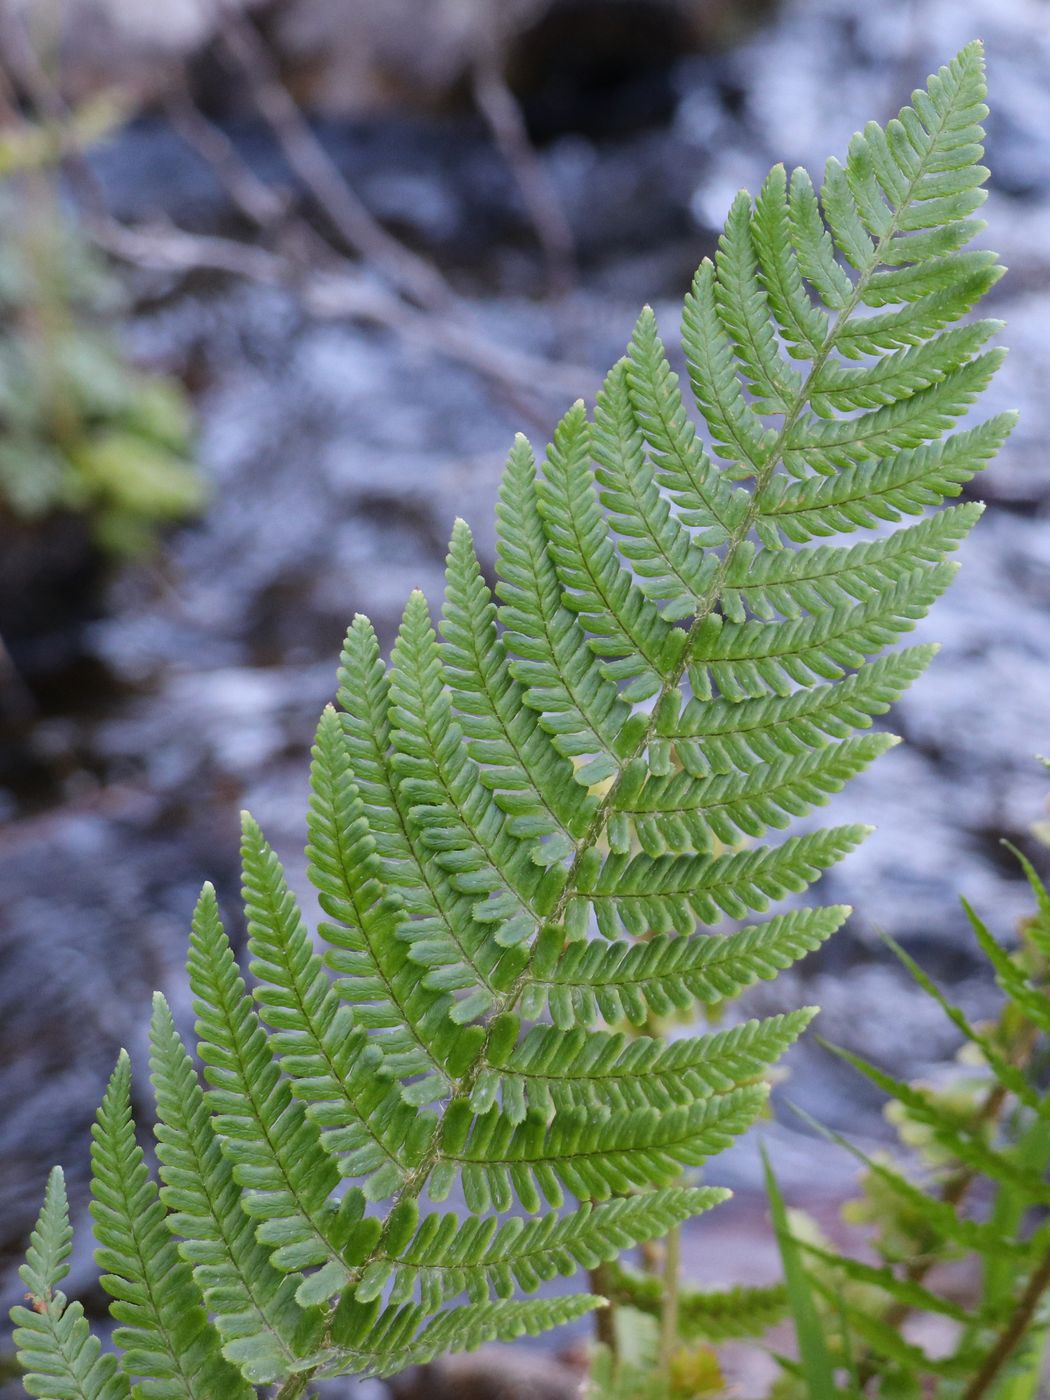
{"x":81,"y":429}
{"x":956,"y":1222}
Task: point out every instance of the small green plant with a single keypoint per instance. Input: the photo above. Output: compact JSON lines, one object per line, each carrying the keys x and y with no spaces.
{"x":517,"y":831}
{"x":974,"y":1189}
{"x":80,"y":428}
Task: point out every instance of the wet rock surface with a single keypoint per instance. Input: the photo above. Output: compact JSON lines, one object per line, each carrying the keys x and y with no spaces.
{"x":339,"y":459}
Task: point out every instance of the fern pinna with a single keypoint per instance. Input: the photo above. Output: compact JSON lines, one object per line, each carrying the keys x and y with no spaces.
{"x":525,"y":832}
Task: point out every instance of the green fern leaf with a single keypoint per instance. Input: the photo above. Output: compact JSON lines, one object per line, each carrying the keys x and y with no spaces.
{"x":379,"y":980}
{"x":533,"y":784}
{"x":717,"y":737}
{"x":675,"y":893}
{"x":703,"y":1315}
{"x":622,"y":622}
{"x":621,"y":981}
{"x":164,"y":1331}
{"x":671,"y":567}
{"x":275,"y":1149}
{"x":703,"y":498}
{"x":875,"y":491}
{"x":263,"y":1330}
{"x":579,"y":707}
{"x":329,"y":1062}
{"x":559,"y":1071}
{"x":469,"y":1327}
{"x":448,"y":1255}
{"x":595,"y":1156}
{"x":61,"y":1357}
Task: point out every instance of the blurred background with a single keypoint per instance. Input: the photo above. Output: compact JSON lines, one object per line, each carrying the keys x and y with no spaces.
{"x":278,"y":282}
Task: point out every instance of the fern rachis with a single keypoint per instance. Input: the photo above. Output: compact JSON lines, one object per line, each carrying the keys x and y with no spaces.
{"x":528,"y":813}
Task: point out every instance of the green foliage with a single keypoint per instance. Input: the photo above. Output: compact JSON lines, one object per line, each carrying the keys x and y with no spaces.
{"x":705,"y":1315}
{"x":974,"y":1187}
{"x":631,"y":1372}
{"x":62,"y":1359}
{"x":529,"y":826}
{"x":80,"y":428}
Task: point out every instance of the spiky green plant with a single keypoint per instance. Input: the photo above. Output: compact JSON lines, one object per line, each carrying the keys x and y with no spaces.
{"x":973,"y":1187}
{"x":526,"y":833}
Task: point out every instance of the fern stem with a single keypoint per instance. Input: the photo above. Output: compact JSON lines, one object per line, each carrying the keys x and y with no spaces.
{"x":604,"y":1318}
{"x":954,"y":1192}
{"x":294,"y":1386}
{"x":1012,"y":1333}
{"x":669,"y":1302}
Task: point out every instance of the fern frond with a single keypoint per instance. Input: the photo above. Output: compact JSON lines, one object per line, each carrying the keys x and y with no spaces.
{"x":622,"y":981}
{"x":717,"y":737}
{"x":546,"y":809}
{"x":164,"y":1331}
{"x":448,"y":1255}
{"x":275,"y":1149}
{"x":558,"y":1070}
{"x":675,"y":893}
{"x":871,"y":492}
{"x":61,"y":1358}
{"x":791,"y":582}
{"x":455,"y":812}
{"x":50,"y":1244}
{"x":622,"y":622}
{"x":329,"y":1061}
{"x":671,"y":567}
{"x":844,"y":387}
{"x":681,"y":813}
{"x":364,"y":775}
{"x":595,"y":1156}
{"x":561,"y":680}
{"x":263,"y":1330}
{"x":704,"y":499}
{"x":533,"y":783}
{"x":745,"y":660}
{"x":471,"y":1326}
{"x":379,"y":980}
{"x":703,"y":1315}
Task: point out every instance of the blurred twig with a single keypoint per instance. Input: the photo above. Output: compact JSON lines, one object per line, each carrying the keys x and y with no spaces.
{"x":338,"y":295}
{"x":416,"y":303}
{"x":501,"y":111}
{"x":409,"y":273}
{"x":260,"y":203}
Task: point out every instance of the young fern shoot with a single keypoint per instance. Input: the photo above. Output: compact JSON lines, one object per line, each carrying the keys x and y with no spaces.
{"x":529,"y":827}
